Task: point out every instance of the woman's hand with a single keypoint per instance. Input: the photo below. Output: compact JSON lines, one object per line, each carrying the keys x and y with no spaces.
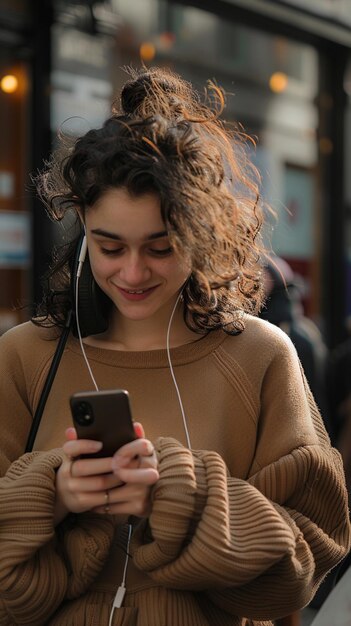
{"x":116,"y":485}
{"x":135,"y":468}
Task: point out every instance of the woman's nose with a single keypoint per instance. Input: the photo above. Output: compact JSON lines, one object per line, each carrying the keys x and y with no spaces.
{"x":135,"y":271}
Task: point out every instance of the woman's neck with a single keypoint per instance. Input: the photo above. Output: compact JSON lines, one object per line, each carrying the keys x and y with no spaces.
{"x":141,"y":335}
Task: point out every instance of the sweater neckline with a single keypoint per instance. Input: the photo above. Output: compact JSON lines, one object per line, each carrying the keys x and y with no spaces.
{"x":186,"y":353}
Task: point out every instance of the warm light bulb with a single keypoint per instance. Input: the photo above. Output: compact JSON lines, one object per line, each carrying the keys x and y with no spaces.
{"x":147,"y":51}
{"x":9,"y":83}
{"x":278,"y":82}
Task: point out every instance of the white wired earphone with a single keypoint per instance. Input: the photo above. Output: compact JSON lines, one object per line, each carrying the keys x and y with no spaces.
{"x":117,"y":603}
{"x":81,"y":259}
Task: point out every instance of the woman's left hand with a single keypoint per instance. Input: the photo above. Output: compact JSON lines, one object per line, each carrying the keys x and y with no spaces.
{"x":135,"y":464}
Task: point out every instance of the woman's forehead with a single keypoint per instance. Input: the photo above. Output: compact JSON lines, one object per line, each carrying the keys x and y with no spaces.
{"x":118,"y":214}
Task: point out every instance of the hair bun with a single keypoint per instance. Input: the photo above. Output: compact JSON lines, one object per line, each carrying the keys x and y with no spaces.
{"x":146,"y":88}
{"x":133,"y":94}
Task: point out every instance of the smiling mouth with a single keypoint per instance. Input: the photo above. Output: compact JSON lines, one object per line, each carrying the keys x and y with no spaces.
{"x":137,"y":295}
{"x":137,"y":290}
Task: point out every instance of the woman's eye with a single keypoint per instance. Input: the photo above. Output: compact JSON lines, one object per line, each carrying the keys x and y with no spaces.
{"x":154,"y":251}
{"x":114,"y":251}
{"x":163,"y":252}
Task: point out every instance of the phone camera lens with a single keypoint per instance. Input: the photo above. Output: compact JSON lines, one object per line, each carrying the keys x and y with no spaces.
{"x":83,"y":414}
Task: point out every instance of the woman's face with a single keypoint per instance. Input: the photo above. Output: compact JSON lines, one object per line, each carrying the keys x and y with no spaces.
{"x":130,"y":254}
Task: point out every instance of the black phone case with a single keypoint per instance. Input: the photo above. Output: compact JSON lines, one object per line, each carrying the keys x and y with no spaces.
{"x":103,"y":416}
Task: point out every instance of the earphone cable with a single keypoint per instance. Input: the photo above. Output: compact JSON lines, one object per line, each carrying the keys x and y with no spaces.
{"x":118,"y":599}
{"x":173,"y":375}
{"x":80,"y":335}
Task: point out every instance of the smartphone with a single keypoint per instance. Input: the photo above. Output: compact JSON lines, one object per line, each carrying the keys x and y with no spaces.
{"x":104,"y":416}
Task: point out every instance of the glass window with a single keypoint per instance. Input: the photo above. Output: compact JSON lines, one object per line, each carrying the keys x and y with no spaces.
{"x":15,"y":225}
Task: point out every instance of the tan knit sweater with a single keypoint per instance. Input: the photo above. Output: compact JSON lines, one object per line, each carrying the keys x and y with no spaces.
{"x":243,"y":527}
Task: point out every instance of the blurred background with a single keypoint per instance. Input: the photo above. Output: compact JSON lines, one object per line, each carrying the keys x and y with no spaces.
{"x":287,"y":69}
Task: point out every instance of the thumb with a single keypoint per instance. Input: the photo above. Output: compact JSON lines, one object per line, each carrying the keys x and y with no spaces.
{"x":71,"y":434}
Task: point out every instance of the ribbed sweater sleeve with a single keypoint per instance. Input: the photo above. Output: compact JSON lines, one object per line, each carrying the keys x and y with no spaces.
{"x":255,"y":548}
{"x":36,"y":573}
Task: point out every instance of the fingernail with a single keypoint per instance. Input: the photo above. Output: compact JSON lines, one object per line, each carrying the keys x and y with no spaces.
{"x":138,"y":430}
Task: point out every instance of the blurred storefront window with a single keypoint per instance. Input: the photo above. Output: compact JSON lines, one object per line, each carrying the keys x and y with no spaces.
{"x":15,"y":221}
{"x":337,"y":10}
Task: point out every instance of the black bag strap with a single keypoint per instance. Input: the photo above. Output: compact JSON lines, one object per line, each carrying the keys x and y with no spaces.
{"x":48,"y":382}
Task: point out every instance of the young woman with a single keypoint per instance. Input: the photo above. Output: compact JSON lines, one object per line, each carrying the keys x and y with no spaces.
{"x":232,"y":507}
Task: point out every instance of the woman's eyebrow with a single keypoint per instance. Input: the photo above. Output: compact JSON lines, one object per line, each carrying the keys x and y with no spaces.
{"x":116,"y":237}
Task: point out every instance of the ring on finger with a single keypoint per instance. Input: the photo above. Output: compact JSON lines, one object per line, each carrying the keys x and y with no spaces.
{"x":107,"y":501}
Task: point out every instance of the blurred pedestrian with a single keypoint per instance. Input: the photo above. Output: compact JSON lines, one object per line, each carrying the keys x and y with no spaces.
{"x":339,"y":396}
{"x":283,"y":307}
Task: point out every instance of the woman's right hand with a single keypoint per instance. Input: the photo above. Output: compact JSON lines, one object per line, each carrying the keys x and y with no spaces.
{"x":77,"y":487}
{"x":82,"y":484}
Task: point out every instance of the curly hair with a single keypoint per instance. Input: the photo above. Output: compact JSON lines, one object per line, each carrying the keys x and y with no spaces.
{"x":162,"y":138}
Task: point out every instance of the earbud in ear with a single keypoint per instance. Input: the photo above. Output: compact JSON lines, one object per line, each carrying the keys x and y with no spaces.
{"x":82,"y":255}
{"x":93,"y":305}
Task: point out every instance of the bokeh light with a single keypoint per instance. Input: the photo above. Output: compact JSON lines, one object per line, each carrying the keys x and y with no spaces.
{"x":9,"y":83}
{"x":147,"y":51}
{"x":278,"y":82}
